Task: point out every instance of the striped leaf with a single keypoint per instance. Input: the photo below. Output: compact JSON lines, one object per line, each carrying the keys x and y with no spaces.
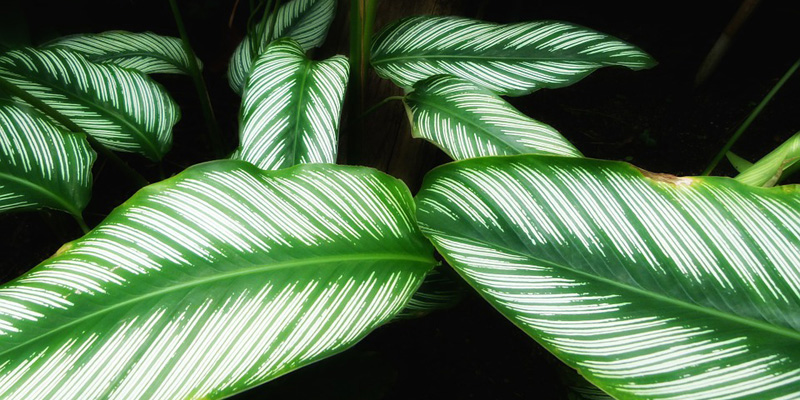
{"x":468,"y":121}
{"x":122,"y":109}
{"x":306,"y":21}
{"x":290,"y":108}
{"x":438,"y":291}
{"x":512,"y":60}
{"x":774,"y":166}
{"x":213,"y":281}
{"x":42,"y":165}
{"x":145,"y":52}
{"x":652,"y":286}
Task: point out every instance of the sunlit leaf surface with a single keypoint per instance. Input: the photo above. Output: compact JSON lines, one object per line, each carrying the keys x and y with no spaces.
{"x":512,"y":59}
{"x":652,"y":286}
{"x":213,"y":281}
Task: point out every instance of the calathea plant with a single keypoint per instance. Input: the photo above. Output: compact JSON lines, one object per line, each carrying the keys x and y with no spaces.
{"x":236,"y":271}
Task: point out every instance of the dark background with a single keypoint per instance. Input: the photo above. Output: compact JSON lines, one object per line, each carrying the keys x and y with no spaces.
{"x":657,"y":119}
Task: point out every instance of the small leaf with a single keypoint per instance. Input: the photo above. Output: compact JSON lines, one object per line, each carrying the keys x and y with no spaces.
{"x":122,"y":109}
{"x":306,"y":21}
{"x":774,"y":166}
{"x":211,"y":282}
{"x":144,"y":52}
{"x":467,"y":121}
{"x":512,"y":60}
{"x":739,"y":163}
{"x":650,"y":285}
{"x":42,"y":165}
{"x":291,"y":107}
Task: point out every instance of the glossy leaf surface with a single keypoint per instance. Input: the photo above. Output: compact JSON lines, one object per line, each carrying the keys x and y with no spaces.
{"x":124,"y":110}
{"x":467,"y":121}
{"x":291,"y":107}
{"x":306,"y":21}
{"x":42,"y":165}
{"x":514,"y":59}
{"x":213,"y":281}
{"x":775,"y":165}
{"x":652,"y":286}
{"x":145,"y":52}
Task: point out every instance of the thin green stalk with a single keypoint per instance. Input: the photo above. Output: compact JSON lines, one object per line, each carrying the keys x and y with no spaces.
{"x":362,"y":19}
{"x":12,"y":89}
{"x":81,"y":222}
{"x":751,"y":117}
{"x":380,"y":104}
{"x":214,"y":133}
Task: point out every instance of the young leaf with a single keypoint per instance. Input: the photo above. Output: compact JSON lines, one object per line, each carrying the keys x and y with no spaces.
{"x":512,"y":60}
{"x":290,"y":108}
{"x":122,"y":109}
{"x":652,"y":286}
{"x":774,"y":166}
{"x":306,"y":21}
{"x":213,"y":281}
{"x":145,"y":52}
{"x":467,"y":121}
{"x":739,"y":163}
{"x":42,"y":165}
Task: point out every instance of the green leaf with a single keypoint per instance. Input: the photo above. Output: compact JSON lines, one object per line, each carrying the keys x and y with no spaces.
{"x":738,"y":162}
{"x":144,"y":52}
{"x":578,"y":388}
{"x":290,"y":108}
{"x":775,"y":165}
{"x":652,"y":286}
{"x":213,"y":281}
{"x":438,"y":291}
{"x":512,"y":60}
{"x":124,"y":110}
{"x":306,"y":21}
{"x":42,"y":165}
{"x":467,"y":121}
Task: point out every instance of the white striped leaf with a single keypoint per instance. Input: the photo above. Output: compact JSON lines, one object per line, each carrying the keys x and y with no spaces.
{"x":652,"y":286}
{"x":467,"y":121}
{"x":124,"y":110}
{"x":290,"y":108}
{"x":306,"y":21}
{"x":512,"y":60}
{"x":774,"y":166}
{"x":42,"y":165}
{"x":213,"y":281}
{"x":145,"y":52}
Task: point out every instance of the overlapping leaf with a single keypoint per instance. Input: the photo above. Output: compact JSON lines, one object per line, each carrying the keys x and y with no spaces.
{"x":513,"y":59}
{"x":40,"y":164}
{"x":213,"y":281}
{"x":467,"y":121}
{"x":652,"y":286}
{"x":306,"y":21}
{"x":438,"y":291}
{"x":124,"y":110}
{"x":775,"y":165}
{"x":291,"y":107}
{"x":145,"y":52}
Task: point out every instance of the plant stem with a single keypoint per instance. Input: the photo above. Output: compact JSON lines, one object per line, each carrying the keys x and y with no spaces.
{"x":362,"y":19}
{"x":751,"y":117}
{"x":12,"y":89}
{"x":81,"y":222}
{"x":214,"y":133}
{"x":380,"y":104}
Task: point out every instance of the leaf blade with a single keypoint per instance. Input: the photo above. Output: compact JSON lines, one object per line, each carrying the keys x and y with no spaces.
{"x":776,"y":165}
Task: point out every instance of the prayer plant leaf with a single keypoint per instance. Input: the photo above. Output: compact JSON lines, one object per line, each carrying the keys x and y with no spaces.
{"x":739,"y":163}
{"x":514,"y":59}
{"x":652,"y":286}
{"x":438,"y":291}
{"x":145,"y":52}
{"x":290,"y":108}
{"x":468,"y":121}
{"x":213,"y":281}
{"x":42,"y":165}
{"x":306,"y":21}
{"x":124,"y":110}
{"x":774,"y":166}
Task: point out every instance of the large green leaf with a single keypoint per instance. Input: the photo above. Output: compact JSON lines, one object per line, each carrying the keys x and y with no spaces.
{"x":306,"y":21}
{"x":513,"y":59}
{"x":124,"y":110}
{"x":467,"y":121}
{"x":40,"y":164}
{"x":213,"y":281}
{"x":145,"y":52}
{"x":775,"y":165}
{"x":652,"y":286}
{"x":290,"y":108}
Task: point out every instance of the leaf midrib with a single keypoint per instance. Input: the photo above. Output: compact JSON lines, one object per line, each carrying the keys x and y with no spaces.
{"x":45,"y":191}
{"x":298,"y":112}
{"x":231,"y":275}
{"x":101,"y":58}
{"x":468,"y":57}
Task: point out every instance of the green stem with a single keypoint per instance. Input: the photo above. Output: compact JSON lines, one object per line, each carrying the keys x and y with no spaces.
{"x":362,"y":19}
{"x":12,"y":89}
{"x":214,"y":133}
{"x":81,"y":222}
{"x":751,"y":117}
{"x":273,"y":20}
{"x":379,"y":105}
